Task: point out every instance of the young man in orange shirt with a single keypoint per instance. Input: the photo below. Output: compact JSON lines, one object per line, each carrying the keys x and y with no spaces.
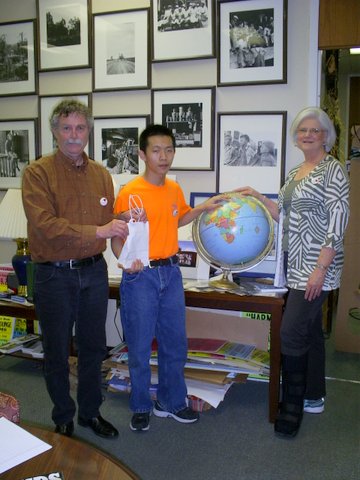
{"x":152,"y":297}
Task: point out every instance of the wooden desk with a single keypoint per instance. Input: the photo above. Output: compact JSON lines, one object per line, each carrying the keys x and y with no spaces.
{"x":229,"y":301}
{"x":215,"y":300}
{"x":74,"y":458}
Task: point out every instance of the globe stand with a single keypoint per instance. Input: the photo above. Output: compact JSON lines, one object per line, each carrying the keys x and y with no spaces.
{"x":224,"y":283}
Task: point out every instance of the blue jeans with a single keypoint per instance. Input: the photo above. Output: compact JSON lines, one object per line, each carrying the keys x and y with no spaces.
{"x":64,"y":298}
{"x":153,"y":305}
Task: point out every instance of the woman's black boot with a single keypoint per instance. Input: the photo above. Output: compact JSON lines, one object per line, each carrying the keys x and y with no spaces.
{"x":290,"y":414}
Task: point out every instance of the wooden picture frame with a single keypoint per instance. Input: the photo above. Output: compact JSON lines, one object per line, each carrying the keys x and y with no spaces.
{"x":46,"y":106}
{"x":251,"y":150}
{"x":63,"y":34}
{"x":191,"y":119}
{"x":18,"y":75}
{"x":116,"y":144}
{"x":182,"y":31}
{"x":121,"y":50}
{"x":252,"y":36}
{"x":18,"y":141}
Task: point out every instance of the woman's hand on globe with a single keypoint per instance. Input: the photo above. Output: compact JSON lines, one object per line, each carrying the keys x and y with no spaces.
{"x":249,"y":191}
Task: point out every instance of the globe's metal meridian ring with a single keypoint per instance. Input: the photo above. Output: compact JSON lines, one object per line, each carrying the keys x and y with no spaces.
{"x":227,"y":268}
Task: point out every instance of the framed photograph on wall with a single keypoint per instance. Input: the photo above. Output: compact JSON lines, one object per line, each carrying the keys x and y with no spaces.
{"x":182,"y":30}
{"x":63,"y":34}
{"x":252,"y":36}
{"x":121,"y":50}
{"x":189,"y":113}
{"x":251,"y":150}
{"x":18,"y":59}
{"x":46,"y":105}
{"x":116,"y":144}
{"x":18,"y":140}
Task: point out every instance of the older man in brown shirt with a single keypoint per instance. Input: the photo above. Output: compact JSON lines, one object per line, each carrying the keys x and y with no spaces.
{"x":68,"y":201}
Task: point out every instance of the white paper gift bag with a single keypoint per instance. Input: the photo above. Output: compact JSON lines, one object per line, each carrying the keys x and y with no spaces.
{"x":136,"y":246}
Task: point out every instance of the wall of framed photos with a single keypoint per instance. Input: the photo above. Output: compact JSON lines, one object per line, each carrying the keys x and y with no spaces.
{"x":241,"y":98}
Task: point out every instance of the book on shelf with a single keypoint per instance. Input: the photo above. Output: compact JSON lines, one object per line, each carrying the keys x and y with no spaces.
{"x":7,"y":328}
{"x":221,"y":349}
{"x":33,"y":348}
{"x":260,"y":286}
{"x":17,"y":343}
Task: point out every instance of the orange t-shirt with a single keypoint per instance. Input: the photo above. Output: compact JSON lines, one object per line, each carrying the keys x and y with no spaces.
{"x":164,"y":206}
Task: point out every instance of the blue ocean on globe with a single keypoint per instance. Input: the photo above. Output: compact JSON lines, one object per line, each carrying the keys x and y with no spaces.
{"x":236,"y":233}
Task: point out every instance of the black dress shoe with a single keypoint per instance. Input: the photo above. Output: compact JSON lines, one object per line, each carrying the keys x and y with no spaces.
{"x":65,"y":429}
{"x":99,"y":426}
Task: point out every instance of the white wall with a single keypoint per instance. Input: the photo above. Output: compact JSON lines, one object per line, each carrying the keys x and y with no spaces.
{"x":299,"y":91}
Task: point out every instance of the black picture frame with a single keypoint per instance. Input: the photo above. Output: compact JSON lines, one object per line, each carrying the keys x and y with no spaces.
{"x":64,"y":32}
{"x":121,"y":50}
{"x":18,"y":72}
{"x":251,"y":150}
{"x":191,"y":118}
{"x":116,"y":144}
{"x":182,"y":31}
{"x":252,"y":42}
{"x":18,"y":151}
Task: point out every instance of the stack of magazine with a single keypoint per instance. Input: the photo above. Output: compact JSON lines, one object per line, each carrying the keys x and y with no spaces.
{"x":212,"y":366}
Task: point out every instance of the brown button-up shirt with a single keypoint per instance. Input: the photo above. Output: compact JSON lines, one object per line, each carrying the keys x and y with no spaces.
{"x":64,"y":204}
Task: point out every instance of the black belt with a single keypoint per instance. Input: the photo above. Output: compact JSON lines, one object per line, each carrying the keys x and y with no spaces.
{"x":161,"y":262}
{"x":74,"y":264}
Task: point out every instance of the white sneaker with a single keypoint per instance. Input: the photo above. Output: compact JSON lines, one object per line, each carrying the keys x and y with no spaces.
{"x":314,"y":406}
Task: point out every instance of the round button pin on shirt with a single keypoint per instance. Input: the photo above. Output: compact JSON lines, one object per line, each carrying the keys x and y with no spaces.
{"x":103,"y":201}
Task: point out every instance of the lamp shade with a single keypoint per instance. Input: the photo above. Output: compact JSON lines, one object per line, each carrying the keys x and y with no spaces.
{"x":13,"y":222}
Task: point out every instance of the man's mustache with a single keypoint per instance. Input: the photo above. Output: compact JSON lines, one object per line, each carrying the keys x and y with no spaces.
{"x":72,"y":142}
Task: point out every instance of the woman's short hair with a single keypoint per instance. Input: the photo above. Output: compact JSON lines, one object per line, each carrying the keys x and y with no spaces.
{"x":67,"y":107}
{"x":324,"y":120}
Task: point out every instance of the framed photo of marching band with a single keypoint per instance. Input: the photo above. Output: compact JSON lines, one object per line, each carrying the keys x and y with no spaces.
{"x":182,"y":30}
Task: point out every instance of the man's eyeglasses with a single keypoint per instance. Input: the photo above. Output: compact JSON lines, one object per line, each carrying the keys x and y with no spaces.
{"x":312,"y":131}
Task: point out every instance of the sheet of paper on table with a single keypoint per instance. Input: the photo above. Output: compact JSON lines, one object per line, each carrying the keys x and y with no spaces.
{"x":17,"y":445}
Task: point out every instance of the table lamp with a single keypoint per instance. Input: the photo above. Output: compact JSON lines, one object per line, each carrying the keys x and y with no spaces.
{"x":13,"y":226}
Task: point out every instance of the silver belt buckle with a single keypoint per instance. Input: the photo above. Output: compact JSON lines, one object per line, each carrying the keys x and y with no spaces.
{"x":72,"y":267}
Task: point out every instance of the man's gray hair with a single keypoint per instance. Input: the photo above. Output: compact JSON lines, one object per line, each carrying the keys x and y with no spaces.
{"x":68,"y":106}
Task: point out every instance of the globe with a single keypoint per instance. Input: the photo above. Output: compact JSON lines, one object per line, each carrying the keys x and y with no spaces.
{"x":236,"y":236}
